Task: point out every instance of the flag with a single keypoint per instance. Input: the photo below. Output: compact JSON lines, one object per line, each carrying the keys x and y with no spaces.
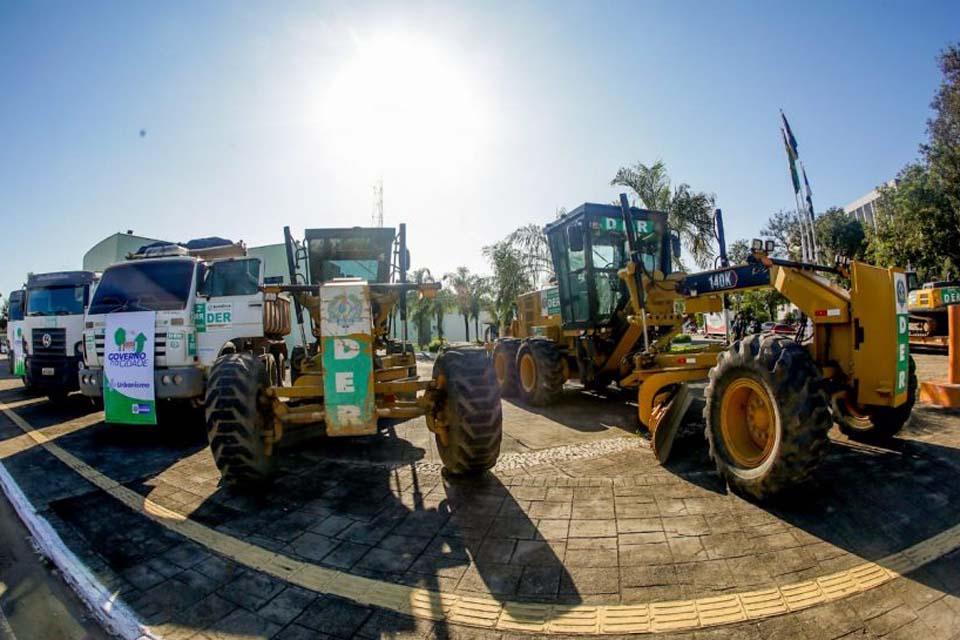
{"x":792,"y":157}
{"x":789,"y":134}
{"x":806,"y":184}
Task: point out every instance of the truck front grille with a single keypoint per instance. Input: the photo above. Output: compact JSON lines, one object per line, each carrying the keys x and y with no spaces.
{"x":159,"y":351}
{"x":49,"y":343}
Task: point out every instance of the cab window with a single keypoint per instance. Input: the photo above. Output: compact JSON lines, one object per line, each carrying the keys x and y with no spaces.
{"x":232,"y":278}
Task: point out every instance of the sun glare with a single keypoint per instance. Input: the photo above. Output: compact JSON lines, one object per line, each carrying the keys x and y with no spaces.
{"x":401,"y":102}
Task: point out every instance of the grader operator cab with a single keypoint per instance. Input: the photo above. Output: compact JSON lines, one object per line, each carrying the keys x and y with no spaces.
{"x":350,"y":372}
{"x":770,"y":400}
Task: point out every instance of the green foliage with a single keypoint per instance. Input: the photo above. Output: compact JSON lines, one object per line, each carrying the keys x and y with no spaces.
{"x":840,"y":234}
{"x":510,"y":278}
{"x":533,"y":252}
{"x":916,"y":225}
{"x":682,"y":338}
{"x":435,"y":345}
{"x":784,"y":229}
{"x":690,"y":213}
{"x":918,"y":221}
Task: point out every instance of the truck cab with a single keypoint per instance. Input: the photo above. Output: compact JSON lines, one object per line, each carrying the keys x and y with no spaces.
{"x":206,"y":300}
{"x":15,"y":333}
{"x":52,"y":329}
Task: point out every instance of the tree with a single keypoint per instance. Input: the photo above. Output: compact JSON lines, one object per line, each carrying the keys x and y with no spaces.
{"x":462,"y":285}
{"x":421,"y":309}
{"x":918,"y":221}
{"x":690,"y":213}
{"x":443,"y":303}
{"x":479,"y":294}
{"x":761,"y":304}
{"x":916,"y":225}
{"x":531,"y":245}
{"x":839,"y":234}
{"x":784,"y":229}
{"x":510,"y":278}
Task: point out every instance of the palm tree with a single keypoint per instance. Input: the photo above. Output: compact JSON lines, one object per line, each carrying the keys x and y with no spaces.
{"x":531,"y":243}
{"x":442,"y":303}
{"x":689,"y":213}
{"x":421,"y":309}
{"x":479,"y":294}
{"x":510,"y":278}
{"x":461,"y":281}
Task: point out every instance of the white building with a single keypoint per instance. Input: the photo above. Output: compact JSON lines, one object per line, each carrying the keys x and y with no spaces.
{"x":863,"y":207}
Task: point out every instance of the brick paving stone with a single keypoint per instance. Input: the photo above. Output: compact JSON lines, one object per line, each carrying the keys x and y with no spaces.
{"x":748,"y":571}
{"x":519,"y":528}
{"x":551,"y":510}
{"x":644,"y":554}
{"x":251,"y":589}
{"x":829,"y":621}
{"x":345,"y":555}
{"x":298,"y":632}
{"x":386,"y":561}
{"x":552,"y":529}
{"x":186,"y":555}
{"x":334,"y":617}
{"x":538,"y":553}
{"x":495,"y":579}
{"x":495,"y":550}
{"x":919,"y":588}
{"x":705,"y":575}
{"x":649,"y":537}
{"x":648,"y":576}
{"x":592,"y":511}
{"x":687,"y":549}
{"x":916,"y":630}
{"x":218,"y":569}
{"x":592,"y":543}
{"x":559,"y":494}
{"x":540,"y":581}
{"x":591,"y":558}
{"x":142,"y":577}
{"x":941,"y":618}
{"x":640,"y":525}
{"x":685,"y":526}
{"x":332,"y":525}
{"x":780,"y":628}
{"x":592,"y":528}
{"x":586,"y":580}
{"x":287,"y":605}
{"x":890,"y":621}
{"x":312,"y":546}
{"x":656,"y":593}
{"x":240,"y":624}
{"x":409,"y":544}
{"x":386,"y":624}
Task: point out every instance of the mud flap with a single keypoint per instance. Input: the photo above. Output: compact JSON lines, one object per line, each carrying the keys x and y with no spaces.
{"x":665,"y":421}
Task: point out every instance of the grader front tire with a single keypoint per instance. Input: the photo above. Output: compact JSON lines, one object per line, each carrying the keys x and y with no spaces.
{"x":235,"y":420}
{"x":471,"y":411}
{"x":540,"y":370}
{"x":876,"y":424}
{"x":767,"y":416}
{"x":505,"y":365}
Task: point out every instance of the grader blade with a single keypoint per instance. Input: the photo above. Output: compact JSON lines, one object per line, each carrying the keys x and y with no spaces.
{"x":665,"y":421}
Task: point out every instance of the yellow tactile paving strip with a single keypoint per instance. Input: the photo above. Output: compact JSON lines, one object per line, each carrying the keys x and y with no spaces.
{"x":487,"y":613}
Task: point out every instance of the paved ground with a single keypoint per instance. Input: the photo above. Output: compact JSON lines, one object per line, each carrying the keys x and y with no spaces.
{"x":577,"y":516}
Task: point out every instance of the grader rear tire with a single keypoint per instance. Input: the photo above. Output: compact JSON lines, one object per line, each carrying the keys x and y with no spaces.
{"x":505,"y":365}
{"x":876,"y":424}
{"x":767,"y":416}
{"x":471,"y":411}
{"x":235,"y":421}
{"x":540,"y":371}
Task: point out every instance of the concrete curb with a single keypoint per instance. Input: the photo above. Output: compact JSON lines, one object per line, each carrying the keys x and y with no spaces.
{"x":109,"y":610}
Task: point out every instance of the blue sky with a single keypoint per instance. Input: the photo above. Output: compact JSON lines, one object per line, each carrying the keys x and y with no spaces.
{"x":479,"y":116}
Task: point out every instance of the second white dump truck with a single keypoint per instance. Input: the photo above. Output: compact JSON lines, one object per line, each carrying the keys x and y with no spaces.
{"x":159,"y":319}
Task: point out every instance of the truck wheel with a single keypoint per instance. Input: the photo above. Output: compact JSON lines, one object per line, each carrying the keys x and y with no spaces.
{"x":505,"y":365}
{"x":540,"y":371}
{"x":470,"y":411}
{"x":766,"y":414}
{"x":297,"y":357}
{"x":875,"y":424}
{"x":236,"y":420}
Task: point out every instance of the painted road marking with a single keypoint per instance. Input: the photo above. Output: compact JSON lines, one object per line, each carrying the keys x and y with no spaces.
{"x":488,"y":613}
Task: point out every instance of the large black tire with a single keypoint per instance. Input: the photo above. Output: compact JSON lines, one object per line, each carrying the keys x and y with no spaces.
{"x":235,"y":420}
{"x":539,"y":371}
{"x":505,"y":365}
{"x":471,"y":411}
{"x":791,"y":385}
{"x":876,"y":424}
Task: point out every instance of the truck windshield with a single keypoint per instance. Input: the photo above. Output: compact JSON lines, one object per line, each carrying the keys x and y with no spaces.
{"x":163,"y":285}
{"x":16,"y":306}
{"x":366,"y":269}
{"x":55,"y":301}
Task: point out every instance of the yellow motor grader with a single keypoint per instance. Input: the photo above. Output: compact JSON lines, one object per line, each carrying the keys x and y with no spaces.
{"x":350,"y":372}
{"x":770,"y":400}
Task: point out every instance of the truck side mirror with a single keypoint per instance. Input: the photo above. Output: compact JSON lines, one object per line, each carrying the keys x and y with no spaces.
{"x":575,"y":237}
{"x":675,"y":245}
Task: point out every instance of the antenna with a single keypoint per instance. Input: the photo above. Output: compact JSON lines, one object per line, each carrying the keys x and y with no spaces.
{"x":378,"y":202}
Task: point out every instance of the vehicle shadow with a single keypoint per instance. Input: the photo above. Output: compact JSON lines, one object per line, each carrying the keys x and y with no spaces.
{"x":587,"y":411}
{"x":368,"y":507}
{"x":863,"y":503}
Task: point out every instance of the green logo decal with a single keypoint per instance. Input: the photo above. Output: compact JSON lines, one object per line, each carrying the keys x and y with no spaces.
{"x":550,"y":302}
{"x":950,"y":295}
{"x":200,"y":316}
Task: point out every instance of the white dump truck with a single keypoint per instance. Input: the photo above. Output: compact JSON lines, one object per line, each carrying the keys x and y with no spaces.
{"x":160,"y":318}
{"x":15,"y":333}
{"x":52,"y":330}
